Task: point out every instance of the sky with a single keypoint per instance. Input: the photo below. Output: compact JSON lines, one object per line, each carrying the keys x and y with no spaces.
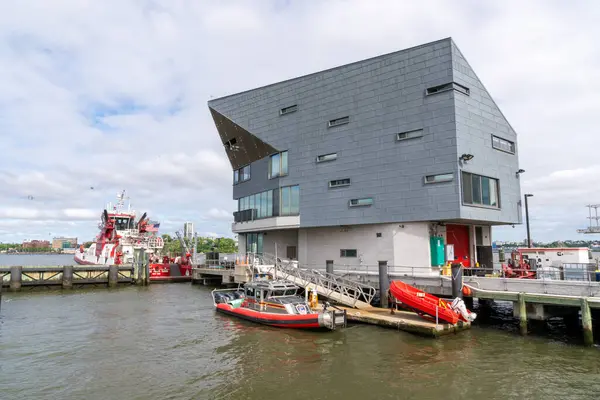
{"x":100,"y":96}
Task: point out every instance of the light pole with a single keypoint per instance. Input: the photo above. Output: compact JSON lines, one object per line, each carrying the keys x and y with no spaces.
{"x":527,"y":219}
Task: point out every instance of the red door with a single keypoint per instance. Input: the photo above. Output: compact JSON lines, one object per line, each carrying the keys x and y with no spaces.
{"x":458,"y":235}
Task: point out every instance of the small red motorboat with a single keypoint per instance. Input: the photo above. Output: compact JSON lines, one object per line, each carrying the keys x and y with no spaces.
{"x":178,"y":269}
{"x":429,"y":306}
{"x":276,"y":303}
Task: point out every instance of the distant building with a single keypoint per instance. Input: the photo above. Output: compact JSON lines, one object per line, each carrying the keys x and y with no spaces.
{"x":188,"y":230}
{"x":64,"y":243}
{"x":36,"y":244}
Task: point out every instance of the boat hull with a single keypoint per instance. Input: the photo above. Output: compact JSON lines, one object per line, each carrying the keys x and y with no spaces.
{"x":307,"y":321}
{"x":170,"y":273}
{"x":423,"y":303}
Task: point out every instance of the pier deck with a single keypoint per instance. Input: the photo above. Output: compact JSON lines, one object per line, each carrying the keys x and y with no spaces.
{"x":403,"y":320}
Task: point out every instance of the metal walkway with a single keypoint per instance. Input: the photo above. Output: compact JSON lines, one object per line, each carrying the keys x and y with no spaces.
{"x":335,"y":287}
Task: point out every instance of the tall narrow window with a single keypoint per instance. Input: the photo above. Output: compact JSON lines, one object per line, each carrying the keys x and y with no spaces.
{"x":290,"y":200}
{"x":278,"y":164}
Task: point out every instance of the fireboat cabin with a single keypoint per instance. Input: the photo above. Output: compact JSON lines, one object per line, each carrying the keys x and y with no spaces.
{"x":403,"y":159}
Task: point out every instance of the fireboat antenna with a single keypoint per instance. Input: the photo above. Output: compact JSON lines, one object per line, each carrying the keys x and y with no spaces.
{"x":592,"y":228}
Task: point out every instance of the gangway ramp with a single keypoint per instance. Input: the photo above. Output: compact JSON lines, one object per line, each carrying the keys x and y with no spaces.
{"x":335,"y":287}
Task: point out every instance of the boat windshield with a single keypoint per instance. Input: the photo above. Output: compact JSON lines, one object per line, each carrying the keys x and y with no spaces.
{"x":288,"y":292}
{"x":122,"y":224}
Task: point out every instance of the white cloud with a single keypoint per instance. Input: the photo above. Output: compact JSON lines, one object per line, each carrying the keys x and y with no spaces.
{"x":113,"y":94}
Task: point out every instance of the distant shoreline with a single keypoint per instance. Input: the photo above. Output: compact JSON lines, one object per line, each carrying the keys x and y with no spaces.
{"x":42,"y":253}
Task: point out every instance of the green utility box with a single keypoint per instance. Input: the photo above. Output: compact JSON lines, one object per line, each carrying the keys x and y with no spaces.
{"x":436,"y":244}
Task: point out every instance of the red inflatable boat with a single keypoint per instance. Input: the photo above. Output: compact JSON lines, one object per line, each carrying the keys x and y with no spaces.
{"x":425,"y":304}
{"x":275,"y":303}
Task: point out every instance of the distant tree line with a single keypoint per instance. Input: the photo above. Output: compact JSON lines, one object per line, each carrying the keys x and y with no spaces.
{"x":204,"y":245}
{"x":19,"y":247}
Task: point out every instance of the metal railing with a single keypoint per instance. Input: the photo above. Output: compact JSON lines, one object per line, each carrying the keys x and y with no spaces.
{"x":352,"y":290}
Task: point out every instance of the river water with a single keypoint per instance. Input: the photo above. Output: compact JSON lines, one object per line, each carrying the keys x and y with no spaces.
{"x":166,"y":342}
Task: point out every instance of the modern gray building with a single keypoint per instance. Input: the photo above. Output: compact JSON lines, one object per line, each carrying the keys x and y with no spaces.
{"x":403,"y":158}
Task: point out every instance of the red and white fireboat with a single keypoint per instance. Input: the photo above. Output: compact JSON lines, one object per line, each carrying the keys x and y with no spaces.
{"x":120,"y":235}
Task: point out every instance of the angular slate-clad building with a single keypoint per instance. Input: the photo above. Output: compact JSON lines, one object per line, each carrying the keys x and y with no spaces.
{"x":403,"y":158}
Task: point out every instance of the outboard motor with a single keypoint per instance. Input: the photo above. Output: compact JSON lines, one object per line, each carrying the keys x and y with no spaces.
{"x":459,"y":307}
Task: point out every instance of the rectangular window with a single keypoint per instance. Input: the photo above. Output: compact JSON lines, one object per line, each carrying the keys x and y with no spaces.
{"x":241,"y":175}
{"x":480,"y":190}
{"x":326,"y":157}
{"x":339,"y":183}
{"x":339,"y":121}
{"x":295,"y":200}
{"x":446,"y":87}
{"x":278,"y":164}
{"x":361,"y":202}
{"x":503,"y":144}
{"x":439,"y":178}
{"x":417,"y":133}
{"x":261,"y":202}
{"x":289,"y":200}
{"x":348,"y":253}
{"x":288,"y":110}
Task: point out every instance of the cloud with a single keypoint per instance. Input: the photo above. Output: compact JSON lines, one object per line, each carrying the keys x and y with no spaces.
{"x":84,"y":106}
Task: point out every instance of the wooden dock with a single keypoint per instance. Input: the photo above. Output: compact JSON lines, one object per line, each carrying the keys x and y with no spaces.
{"x":404,"y":321}
{"x":17,"y":278}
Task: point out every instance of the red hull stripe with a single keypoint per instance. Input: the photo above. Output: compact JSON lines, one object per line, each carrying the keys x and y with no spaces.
{"x":304,"y":321}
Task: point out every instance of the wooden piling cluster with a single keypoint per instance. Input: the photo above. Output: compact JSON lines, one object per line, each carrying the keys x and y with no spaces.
{"x":65,"y":277}
{"x":521,"y":299}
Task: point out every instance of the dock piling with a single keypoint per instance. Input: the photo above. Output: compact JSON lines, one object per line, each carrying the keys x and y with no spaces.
{"x":457,"y":280}
{"x":67,"y":277}
{"x":16,"y":276}
{"x":384,"y":283}
{"x":113,"y":276}
{"x":586,"y":321}
{"x":522,"y":314}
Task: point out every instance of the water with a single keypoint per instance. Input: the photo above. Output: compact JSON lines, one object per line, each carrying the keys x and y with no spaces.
{"x":166,"y":342}
{"x":36,"y":259}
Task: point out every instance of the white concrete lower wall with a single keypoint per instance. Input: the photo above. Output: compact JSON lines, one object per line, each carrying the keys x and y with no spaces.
{"x":401,"y":245}
{"x":282,"y":239}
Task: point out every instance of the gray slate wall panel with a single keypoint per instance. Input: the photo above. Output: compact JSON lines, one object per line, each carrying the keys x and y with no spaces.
{"x":382,"y":96}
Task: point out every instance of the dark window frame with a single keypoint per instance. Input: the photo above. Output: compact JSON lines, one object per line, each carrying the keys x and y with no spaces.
{"x":446,"y":87}
{"x":338,"y":121}
{"x":469,"y":187}
{"x":321,"y":158}
{"x":237,"y":175}
{"x":355,"y":202}
{"x":281,"y":171}
{"x":348,"y":253}
{"x":509,"y":142}
{"x":288,"y":110}
{"x":337,"y":183}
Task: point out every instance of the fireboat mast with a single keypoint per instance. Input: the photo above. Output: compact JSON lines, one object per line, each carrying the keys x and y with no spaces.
{"x":592,"y":228}
{"x":119,"y":207}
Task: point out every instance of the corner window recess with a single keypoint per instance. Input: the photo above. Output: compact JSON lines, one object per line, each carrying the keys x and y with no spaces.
{"x":447,"y":87}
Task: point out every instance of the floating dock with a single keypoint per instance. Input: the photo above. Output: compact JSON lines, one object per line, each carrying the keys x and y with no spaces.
{"x":403,"y":320}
